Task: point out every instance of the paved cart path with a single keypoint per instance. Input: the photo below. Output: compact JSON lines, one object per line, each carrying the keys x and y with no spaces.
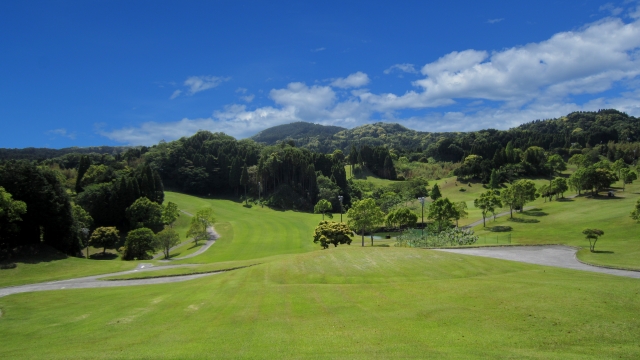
{"x":550,"y":255}
{"x":94,"y":282}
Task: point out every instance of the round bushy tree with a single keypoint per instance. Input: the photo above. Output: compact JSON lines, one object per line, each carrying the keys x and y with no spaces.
{"x":138,"y":243}
{"x":104,"y":237}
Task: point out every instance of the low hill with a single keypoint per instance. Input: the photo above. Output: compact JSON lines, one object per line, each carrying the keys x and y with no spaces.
{"x":46,"y":153}
{"x":295,"y":131}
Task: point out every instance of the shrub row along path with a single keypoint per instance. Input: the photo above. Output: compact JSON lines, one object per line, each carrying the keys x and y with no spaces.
{"x":94,"y":282}
{"x":213,"y":236}
{"x":550,"y":255}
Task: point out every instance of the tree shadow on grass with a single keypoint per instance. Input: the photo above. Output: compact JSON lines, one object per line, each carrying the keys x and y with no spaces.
{"x":101,"y":256}
{"x":602,"y":252}
{"x":525,"y":221}
{"x":565,"y":200}
{"x":534,"y":212}
{"x":500,"y":228}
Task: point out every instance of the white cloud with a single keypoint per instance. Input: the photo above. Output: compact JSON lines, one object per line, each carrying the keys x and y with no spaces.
{"x":354,"y":80}
{"x":614,"y":10}
{"x":318,"y":49}
{"x":63,"y":133}
{"x":248,"y":98}
{"x":494,"y":21}
{"x":504,"y":89}
{"x":196,"y":84}
{"x":408,"y":68}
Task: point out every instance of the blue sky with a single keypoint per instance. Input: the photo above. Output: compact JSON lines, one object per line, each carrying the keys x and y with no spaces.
{"x":82,"y":73}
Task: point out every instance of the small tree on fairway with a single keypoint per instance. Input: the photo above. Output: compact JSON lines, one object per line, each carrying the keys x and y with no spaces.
{"x":618,"y":165}
{"x":138,"y":244}
{"x":627,"y":176}
{"x":559,"y":186}
{"x":328,"y":232}
{"x":442,"y":211}
{"x":166,"y":239}
{"x":435,"y":192}
{"x":145,"y":213}
{"x":401,"y":218}
{"x":487,"y":203}
{"x":170,"y":214}
{"x":592,"y":235}
{"x":199,"y":225}
{"x":104,"y":237}
{"x":461,"y":211}
{"x":364,"y":215}
{"x":322,"y":207}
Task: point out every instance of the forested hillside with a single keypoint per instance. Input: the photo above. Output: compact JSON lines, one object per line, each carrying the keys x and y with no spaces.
{"x":46,"y":153}
{"x":302,"y":131}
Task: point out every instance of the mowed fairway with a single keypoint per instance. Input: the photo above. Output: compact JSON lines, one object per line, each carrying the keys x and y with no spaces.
{"x":250,"y":233}
{"x":347,"y":302}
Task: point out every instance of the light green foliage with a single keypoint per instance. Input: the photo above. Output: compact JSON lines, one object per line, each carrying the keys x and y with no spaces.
{"x":138,"y":244}
{"x":10,"y":210}
{"x":494,"y":180}
{"x":534,"y":157}
{"x":442,"y":211}
{"x":364,"y":215}
{"x":323,"y":206}
{"x":166,"y":239}
{"x":559,"y":186}
{"x":81,"y":217}
{"x":145,"y":213}
{"x":488,"y":202}
{"x":332,"y":233}
{"x":592,"y":235}
{"x":618,"y":165}
{"x":104,"y":237}
{"x":556,"y":163}
{"x":627,"y":176}
{"x":93,"y":174}
{"x":401,"y":218}
{"x":170,"y":214}
{"x":577,"y":160}
{"x":200,"y":222}
{"x":461,"y":211}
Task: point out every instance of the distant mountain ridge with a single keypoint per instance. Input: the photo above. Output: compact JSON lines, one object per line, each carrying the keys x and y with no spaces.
{"x":32,"y":153}
{"x":295,"y":130}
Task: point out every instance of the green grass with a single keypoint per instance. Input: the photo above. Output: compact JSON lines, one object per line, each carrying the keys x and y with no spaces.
{"x":562,"y":222}
{"x":346,"y":302}
{"x":188,"y":270}
{"x":250,"y":233}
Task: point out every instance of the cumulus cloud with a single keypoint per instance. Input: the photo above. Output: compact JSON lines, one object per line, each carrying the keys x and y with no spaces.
{"x":614,"y":10}
{"x":408,"y":68}
{"x":502,"y":89}
{"x":195,"y":84}
{"x":354,"y":80}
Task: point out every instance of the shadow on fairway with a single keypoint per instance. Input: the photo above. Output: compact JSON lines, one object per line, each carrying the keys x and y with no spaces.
{"x":526,"y":221}
{"x":534,"y":212}
{"x":565,"y":200}
{"x":101,"y":256}
{"x":500,"y":228}
{"x":603,"y":252}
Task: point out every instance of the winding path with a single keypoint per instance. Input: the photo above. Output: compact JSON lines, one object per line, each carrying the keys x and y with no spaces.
{"x":549,"y":255}
{"x":94,"y":282}
{"x":213,"y":236}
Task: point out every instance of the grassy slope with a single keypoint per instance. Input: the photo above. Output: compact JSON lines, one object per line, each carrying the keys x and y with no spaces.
{"x":346,"y":302}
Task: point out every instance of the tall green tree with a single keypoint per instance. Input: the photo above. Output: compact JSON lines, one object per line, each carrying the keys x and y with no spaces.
{"x":635,"y":214}
{"x":10,"y":217}
{"x":234,"y":175}
{"x":401,"y":218}
{"x":170,"y":214}
{"x":138,"y":244}
{"x":166,"y":239}
{"x":435,"y":192}
{"x":627,"y":176}
{"x":200,"y":223}
{"x":494,"y":180}
{"x":461,"y":211}
{"x":559,"y":186}
{"x":487,"y":203}
{"x":442,"y":211}
{"x":85,"y":163}
{"x":145,"y":213}
{"x":365,"y":215}
{"x":323,"y":206}
{"x":592,"y":235}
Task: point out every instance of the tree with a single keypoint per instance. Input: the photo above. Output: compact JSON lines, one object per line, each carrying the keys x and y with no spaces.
{"x":559,"y":186}
{"x":494,"y":180}
{"x":166,"y":239}
{"x":442,"y":211}
{"x":145,"y":213}
{"x":627,"y":176}
{"x":461,"y":211}
{"x":635,"y":214}
{"x":335,"y":233}
{"x":618,"y":165}
{"x":170,"y":214}
{"x":85,"y":163}
{"x":82,"y":222}
{"x":364,"y":215}
{"x":10,"y":214}
{"x":138,"y":244}
{"x":578,"y":160}
{"x":487,"y":203}
{"x":435,"y":192}
{"x":234,"y":175}
{"x":524,"y":191}
{"x":592,"y":235}
{"x":401,"y":218}
{"x":244,"y":181}
{"x":577,"y":180}
{"x":104,"y":237}
{"x":353,"y":157}
{"x":200,"y":223}
{"x":322,"y":207}
{"x":508,"y":197}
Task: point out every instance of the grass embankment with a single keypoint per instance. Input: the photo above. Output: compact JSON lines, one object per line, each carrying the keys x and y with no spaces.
{"x":190,"y":270}
{"x":562,"y":222}
{"x":346,"y":302}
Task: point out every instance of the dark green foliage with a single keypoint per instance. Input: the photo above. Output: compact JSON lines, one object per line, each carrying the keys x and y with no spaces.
{"x":84,"y":165}
{"x":435,"y":192}
{"x":296,"y":130}
{"x":144,"y":213}
{"x":48,"y":218}
{"x":11,"y":212}
{"x":332,"y":233}
{"x":45,"y":153}
{"x":138,"y":244}
{"x":104,"y":237}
